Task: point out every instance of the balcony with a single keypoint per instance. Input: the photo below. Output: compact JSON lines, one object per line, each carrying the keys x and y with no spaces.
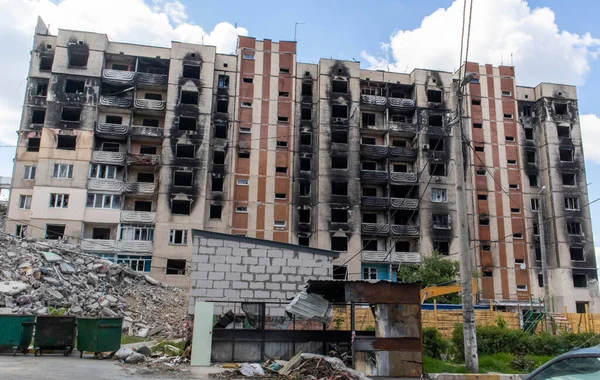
{"x":339,"y":121}
{"x":376,"y":256}
{"x":152,"y":79}
{"x":118,"y":76}
{"x":373,"y":100}
{"x":406,"y":257}
{"x":98,"y":245}
{"x":405,"y":129}
{"x":403,"y":177}
{"x":150,"y":104}
{"x":111,"y":131}
{"x":376,"y":202}
{"x":404,"y":203}
{"x":111,"y":158}
{"x":143,"y":159}
{"x":128,"y":216}
{"x":374,"y":175}
{"x":375,"y":151}
{"x":375,"y":228}
{"x":402,"y":152}
{"x":394,"y":257}
{"x":142,"y":131}
{"x":140,"y":188}
{"x":404,"y":230}
{"x":139,"y":246}
{"x":105,"y":185}
{"x":115,"y":101}
{"x":401,"y":103}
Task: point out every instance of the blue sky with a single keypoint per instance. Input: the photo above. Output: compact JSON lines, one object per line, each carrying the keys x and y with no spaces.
{"x":554,"y":41}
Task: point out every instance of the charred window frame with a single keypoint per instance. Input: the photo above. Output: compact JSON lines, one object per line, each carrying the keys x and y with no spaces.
{"x":339,"y":137}
{"x":71,"y":114}
{"x":181,"y":207}
{"x":74,"y":86}
{"x":434,"y":96}
{"x":574,"y":227}
{"x":437,"y":169}
{"x":216,"y":184}
{"x":339,"y":188}
{"x":339,"y":243}
{"x":150,"y":123}
{"x":339,"y":215}
{"x":185,"y":150}
{"x":435,"y":120}
{"x":189,"y":97}
{"x":339,"y":162}
{"x":339,"y":86}
{"x":46,"y":63}
{"x":38,"y":116}
{"x":566,"y":154}
{"x":442,"y":247}
{"x":340,"y":272}
{"x":440,"y":221}
{"x":306,"y":114}
{"x":304,"y":189}
{"x":572,"y":203}
{"x":191,"y":71}
{"x":563,"y":131}
{"x":528,"y":133}
{"x":339,"y":111}
{"x":577,"y":253}
{"x":187,"y":123}
{"x":304,"y":215}
{"x":223,"y":81}
{"x":368,"y":119}
{"x":183,"y":178}
{"x":569,"y":179}
{"x":66,"y":142}
{"x":145,"y":177}
{"x":215,"y":211}
{"x":33,"y":144}
{"x":579,"y":280}
{"x":561,"y":108}
{"x":306,"y":138}
{"x":176,"y":266}
{"x":41,"y":89}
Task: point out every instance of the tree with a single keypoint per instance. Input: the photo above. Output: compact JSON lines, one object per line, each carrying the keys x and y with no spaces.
{"x":435,"y":270}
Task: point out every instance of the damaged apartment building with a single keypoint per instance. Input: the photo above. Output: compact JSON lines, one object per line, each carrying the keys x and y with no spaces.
{"x":126,"y":148}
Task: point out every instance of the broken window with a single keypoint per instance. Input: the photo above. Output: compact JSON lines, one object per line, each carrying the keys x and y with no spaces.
{"x":368,"y":165}
{"x":306,"y":89}
{"x":280,"y":195}
{"x":484,"y":221}
{"x":402,"y":246}
{"x":531,"y":156}
{"x":339,"y":215}
{"x":568,"y":179}
{"x":581,"y":307}
{"x":442,"y":247}
{"x":150,"y":123}
{"x":564,"y":131}
{"x":305,"y":164}
{"x":339,"y":188}
{"x":304,"y":216}
{"x":33,"y":144}
{"x":189,"y":97}
{"x":187,"y":123}
{"x":38,"y":116}
{"x":281,"y":144}
{"x":339,"y":111}
{"x":147,"y":149}
{"x":178,"y":237}
{"x":46,"y":63}
{"x":436,"y":145}
{"x":533,"y":180}
{"x":579,"y":280}
{"x":368,"y":119}
{"x":41,"y":89}
{"x":218,"y":157}
{"x":304,"y":189}
{"x":243,"y":154}
{"x":437,"y":169}
{"x":441,"y":221}
{"x":59,"y":200}
{"x":369,"y":191}
{"x":339,"y":243}
{"x":66,"y":142}
{"x":284,"y":94}
{"x":369,"y":218}
{"x":176,"y":267}
{"x":114,"y":119}
{"x":527,"y":111}
{"x":247,"y":80}
{"x":306,"y":114}
{"x":566,"y":154}
{"x":339,"y":162}
{"x":477,"y":125}
{"x":20,"y":230}
{"x":572,"y":203}
{"x":476,"y":101}
{"x":78,"y":57}
{"x":222,"y":105}
{"x":217,"y":184}
{"x":368,"y":140}
{"x":513,"y":185}
{"x":339,"y":86}
{"x":142,"y":206}
{"x":306,"y":139}
{"x":369,"y":245}
{"x":145,"y":177}
{"x":283,"y":119}
{"x":55,"y":231}
{"x":340,"y":272}
{"x":281,"y":169}
{"x":191,"y":71}
{"x":116,"y":66}
{"x":73,"y":86}
{"x":136,"y":233}
{"x":439,"y":195}
{"x":400,"y":168}
{"x":223,"y":81}
{"x":561,"y":108}
{"x":70,"y":114}
{"x":152,"y":96}
{"x":574,"y":228}
{"x":182,"y":178}
{"x":436,"y":120}
{"x":221,"y":131}
{"x":576,"y":254}
{"x":529,"y":133}
{"x":434,"y":96}
{"x":180,"y":207}
{"x":340,"y":137}
{"x":508,"y":116}
{"x":185,"y":150}
{"x":479,"y":148}
{"x":482,"y":197}
{"x":215,"y":211}
{"x":246,"y":104}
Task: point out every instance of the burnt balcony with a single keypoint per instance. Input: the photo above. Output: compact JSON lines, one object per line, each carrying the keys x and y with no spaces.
{"x":404,"y":203}
{"x":140,"y":188}
{"x":339,"y":121}
{"x":404,"y":230}
{"x":374,"y":175}
{"x":374,"y":151}
{"x":110,"y":158}
{"x":98,"y":245}
{"x":111,"y":131}
{"x":145,"y":160}
{"x":343,"y":199}
{"x":403,"y":152}
{"x":107,"y":185}
{"x":150,"y":79}
{"x":401,"y":103}
{"x":374,"y":100}
{"x":406,"y":257}
{"x":375,"y":202}
{"x":394,"y":257}
{"x":376,"y":256}
{"x":375,"y":228}
{"x":140,"y":246}
{"x":142,"y":131}
{"x":119,"y":77}
{"x":130,"y":216}
{"x":116,"y":101}
{"x":403,"y":129}
{"x":150,"y":104}
{"x":400,"y":177}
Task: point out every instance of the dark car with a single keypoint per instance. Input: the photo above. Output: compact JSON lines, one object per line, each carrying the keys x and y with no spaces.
{"x":582,"y":364}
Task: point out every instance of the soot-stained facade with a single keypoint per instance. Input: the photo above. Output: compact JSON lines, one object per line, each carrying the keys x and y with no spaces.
{"x":127,"y":148}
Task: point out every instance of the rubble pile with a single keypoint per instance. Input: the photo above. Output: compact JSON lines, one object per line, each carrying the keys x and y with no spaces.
{"x":55,"y":277}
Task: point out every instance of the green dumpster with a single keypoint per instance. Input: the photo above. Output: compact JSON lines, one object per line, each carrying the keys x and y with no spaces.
{"x":54,"y":333}
{"x":98,"y":335}
{"x":16,"y":332}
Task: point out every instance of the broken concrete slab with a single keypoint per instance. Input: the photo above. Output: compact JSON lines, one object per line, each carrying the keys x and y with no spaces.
{"x":51,"y":257}
{"x":12,"y":288}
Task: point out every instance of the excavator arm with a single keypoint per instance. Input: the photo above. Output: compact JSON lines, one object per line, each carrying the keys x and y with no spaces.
{"x":434,"y":291}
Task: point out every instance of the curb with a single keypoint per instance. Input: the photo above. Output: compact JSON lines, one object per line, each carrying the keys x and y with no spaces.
{"x":491,"y":376}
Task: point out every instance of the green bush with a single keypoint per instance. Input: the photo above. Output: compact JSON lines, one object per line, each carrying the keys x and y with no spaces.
{"x":434,"y":345}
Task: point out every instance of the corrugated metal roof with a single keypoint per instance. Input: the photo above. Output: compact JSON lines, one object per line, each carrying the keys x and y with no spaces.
{"x":310,"y":306}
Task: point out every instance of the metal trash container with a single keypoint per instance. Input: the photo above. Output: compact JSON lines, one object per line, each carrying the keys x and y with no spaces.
{"x":98,"y":335}
{"x":54,"y":333}
{"x":16,"y":332}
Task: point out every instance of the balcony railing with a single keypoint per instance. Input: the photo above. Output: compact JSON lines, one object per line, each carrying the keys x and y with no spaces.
{"x":373,"y":100}
{"x":339,"y":121}
{"x":374,"y":150}
{"x":152,"y":79}
{"x":150,"y":104}
{"x":112,"y":158}
{"x":404,"y":230}
{"x":374,"y":175}
{"x":143,"y":159}
{"x":404,"y":203}
{"x":112,"y":131}
{"x":376,"y":256}
{"x":138,"y":216}
{"x":394,"y":257}
{"x":140,"y":246}
{"x":403,"y":177}
{"x":406,"y":257}
{"x":405,"y":128}
{"x":140,"y":187}
{"x":98,"y":245}
{"x":143,"y":131}
{"x":118,"y":76}
{"x":382,"y":202}
{"x":105,"y":185}
{"x":400,"y":151}
{"x":401,"y":103}
{"x":116,"y":101}
{"x":375,"y":228}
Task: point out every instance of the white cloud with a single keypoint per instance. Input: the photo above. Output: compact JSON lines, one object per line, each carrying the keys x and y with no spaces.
{"x":590,"y":135}
{"x":499,"y":28}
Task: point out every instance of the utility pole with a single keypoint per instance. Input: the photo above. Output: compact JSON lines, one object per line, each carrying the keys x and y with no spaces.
{"x":466,"y":268}
{"x":544,"y":255}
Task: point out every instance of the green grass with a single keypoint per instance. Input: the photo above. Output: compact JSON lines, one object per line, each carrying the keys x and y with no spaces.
{"x":440,"y":366}
{"x":127,"y":339}
{"x":500,"y":363}
{"x":178,"y":344}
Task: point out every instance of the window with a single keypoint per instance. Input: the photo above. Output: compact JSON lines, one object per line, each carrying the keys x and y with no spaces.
{"x":29,"y":172}
{"x":307,"y":89}
{"x":145,"y":206}
{"x":579,"y":281}
{"x":435,"y":120}
{"x":538,"y":253}
{"x":439,"y":195}
{"x":368,"y":140}
{"x":506,"y":93}
{"x":282,"y":144}
{"x":281,"y":169}
{"x":241,"y":209}
{"x":284,"y":94}
{"x":247,"y":80}
{"x":216,"y":184}
{"x":434,"y":144}
{"x":242,"y":154}
{"x":284,"y":70}
{"x":482,"y":197}
{"x":581,"y":307}
{"x":181,"y":207}
{"x":74,"y":86}
{"x":218,"y":157}
{"x":339,"y":111}
{"x":529,"y":133}
{"x":33,"y":144}
{"x":400,"y":168}
{"x":185,"y":150}
{"x":566,"y":155}
{"x":437,"y":169}
{"x":440,"y":221}
{"x":109,"y":201}
{"x":509,"y":138}
{"x":480,"y":171}
{"x":66,"y":142}
{"x":71,"y":114}
{"x":476,"y":102}
{"x":434,"y":96}
{"x":339,"y":243}
{"x":215,"y":211}
{"x":511,"y":162}
{"x":137,"y":233}
{"x":21,"y":230}
{"x":340,"y":137}
{"x":242,"y":182}
{"x":191,"y":71}
{"x":339,"y":188}
{"x":484,"y":221}
{"x":340,"y":272}
{"x":46,"y":63}
{"x":530,"y":156}
{"x":369,"y":245}
{"x":340,"y":162}
{"x":182,"y":178}
{"x":246,"y":104}
{"x":366,"y":165}
{"x":477,"y":125}
{"x":145,"y":177}
{"x":508,"y":116}
{"x":442,"y":247}
{"x":369,"y":273}
{"x":561,"y":108}
{"x":518,"y":236}
{"x":55,"y":231}
{"x":306,"y":139}
{"x":479,"y":148}
{"x":280,"y":195}
{"x":152,"y":96}
{"x":283,"y":119}
{"x":576,"y":254}
{"x":116,"y":66}
{"x":110,"y":147}
{"x":521,"y":288}
{"x":102,"y":171}
{"x":59,"y":200}
{"x":339,"y":86}
{"x":279,"y":223}
{"x":513,"y":186}
{"x":248,"y":56}
{"x":178,"y":237}
{"x":572,"y":203}
{"x":187,"y":123}
{"x":540,"y":280}
{"x":486,"y":247}
{"x":515,"y":210}
{"x":563,"y":131}
{"x":305,"y":163}
{"x":574,"y":228}
{"x":536,"y":229}
{"x":25,"y":202}
{"x":38,"y":116}
{"x":527,"y":110}
{"x":150,"y":123}
{"x":535,"y":204}
{"x":368,"y":119}
{"x":533,"y":180}
{"x":568,"y":179}
{"x":176,"y":267}
{"x":339,"y":215}
{"x":304,"y":215}
{"x":488,"y":273}
{"x":305,"y":189}
{"x":189,"y":97}
{"x":245,"y":130}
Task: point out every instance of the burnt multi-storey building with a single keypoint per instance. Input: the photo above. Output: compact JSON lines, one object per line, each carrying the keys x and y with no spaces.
{"x":125,"y":148}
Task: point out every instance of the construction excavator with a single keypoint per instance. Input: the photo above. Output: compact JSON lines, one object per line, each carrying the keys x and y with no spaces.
{"x":440,"y":290}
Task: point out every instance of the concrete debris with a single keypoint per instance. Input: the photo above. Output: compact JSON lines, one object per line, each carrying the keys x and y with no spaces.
{"x":135,"y":358}
{"x":37,"y":277}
